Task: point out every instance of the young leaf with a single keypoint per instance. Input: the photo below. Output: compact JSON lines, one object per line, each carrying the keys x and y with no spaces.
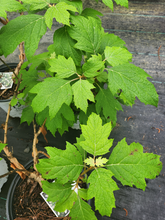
{"x":64,"y":67}
{"x":65,"y":165}
{"x":108,"y":3}
{"x":82,"y":211}
{"x":9,"y":5}
{"x":18,"y":29}
{"x":61,"y":194}
{"x":107,"y":102}
{"x":60,"y":13}
{"x":50,"y":91}
{"x":90,"y":161}
{"x":96,"y":136}
{"x":110,"y":40}
{"x":100,"y":161}
{"x":131,"y":166}
{"x":132,"y":80}
{"x":117,"y":55}
{"x":93,"y":66}
{"x":27,"y":115}
{"x":82,"y":93}
{"x":101,"y":188}
{"x":87,"y":32}
{"x":102,"y":77}
{"x":64,"y":45}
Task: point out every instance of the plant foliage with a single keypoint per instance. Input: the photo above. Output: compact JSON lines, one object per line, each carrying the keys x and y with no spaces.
{"x":127,"y":163}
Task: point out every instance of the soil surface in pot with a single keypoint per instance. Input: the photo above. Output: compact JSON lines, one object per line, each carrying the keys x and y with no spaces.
{"x":29,"y":205}
{"x":7,"y":93}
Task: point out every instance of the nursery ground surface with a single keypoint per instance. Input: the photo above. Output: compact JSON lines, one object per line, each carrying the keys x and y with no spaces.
{"x":142,"y":27}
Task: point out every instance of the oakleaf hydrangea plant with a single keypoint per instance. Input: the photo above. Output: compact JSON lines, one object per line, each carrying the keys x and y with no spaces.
{"x":85,"y":70}
{"x":85,"y":161}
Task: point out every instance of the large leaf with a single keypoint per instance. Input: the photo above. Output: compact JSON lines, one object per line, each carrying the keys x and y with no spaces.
{"x":37,"y":4}
{"x":101,"y":188}
{"x":117,"y":55}
{"x":107,"y":103}
{"x":27,"y":115}
{"x":65,"y":165}
{"x":62,"y":66}
{"x":51,"y":92}
{"x":82,"y":93}
{"x":82,"y":211}
{"x":87,"y":32}
{"x":110,"y":40}
{"x":108,"y":3}
{"x":96,"y":136}
{"x":18,"y":29}
{"x":9,"y":5}
{"x":64,"y":114}
{"x":131,"y":166}
{"x":132,"y":80}
{"x":60,"y":13}
{"x":93,"y":66}
{"x":61,"y":194}
{"x":64,"y":45}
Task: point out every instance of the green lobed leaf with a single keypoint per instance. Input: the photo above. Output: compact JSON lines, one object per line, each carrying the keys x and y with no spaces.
{"x":14,"y":101}
{"x":92,"y":13}
{"x":131,"y":166}
{"x":61,"y":194}
{"x":101,"y":188}
{"x":83,"y":117}
{"x":110,"y":40}
{"x":132,"y":80}
{"x":105,"y":101}
{"x":50,"y":91}
{"x":57,"y":122}
{"x":96,"y":136}
{"x":108,"y":3}
{"x":37,"y":4}
{"x":62,"y":66}
{"x":18,"y":29}
{"x":60,"y":13}
{"x":27,"y":115}
{"x":87,"y":33}
{"x":76,"y":3}
{"x":83,"y":193}
{"x":122,"y":3}
{"x":93,"y":66}
{"x":9,"y":5}
{"x":29,"y":79}
{"x":65,"y":165}
{"x":64,"y":45}
{"x":37,"y":60}
{"x":116,"y":55}
{"x":82,"y":93}
{"x":82,"y":211}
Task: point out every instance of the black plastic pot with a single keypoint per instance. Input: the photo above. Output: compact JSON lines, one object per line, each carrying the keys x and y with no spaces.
{"x":10,"y":196}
